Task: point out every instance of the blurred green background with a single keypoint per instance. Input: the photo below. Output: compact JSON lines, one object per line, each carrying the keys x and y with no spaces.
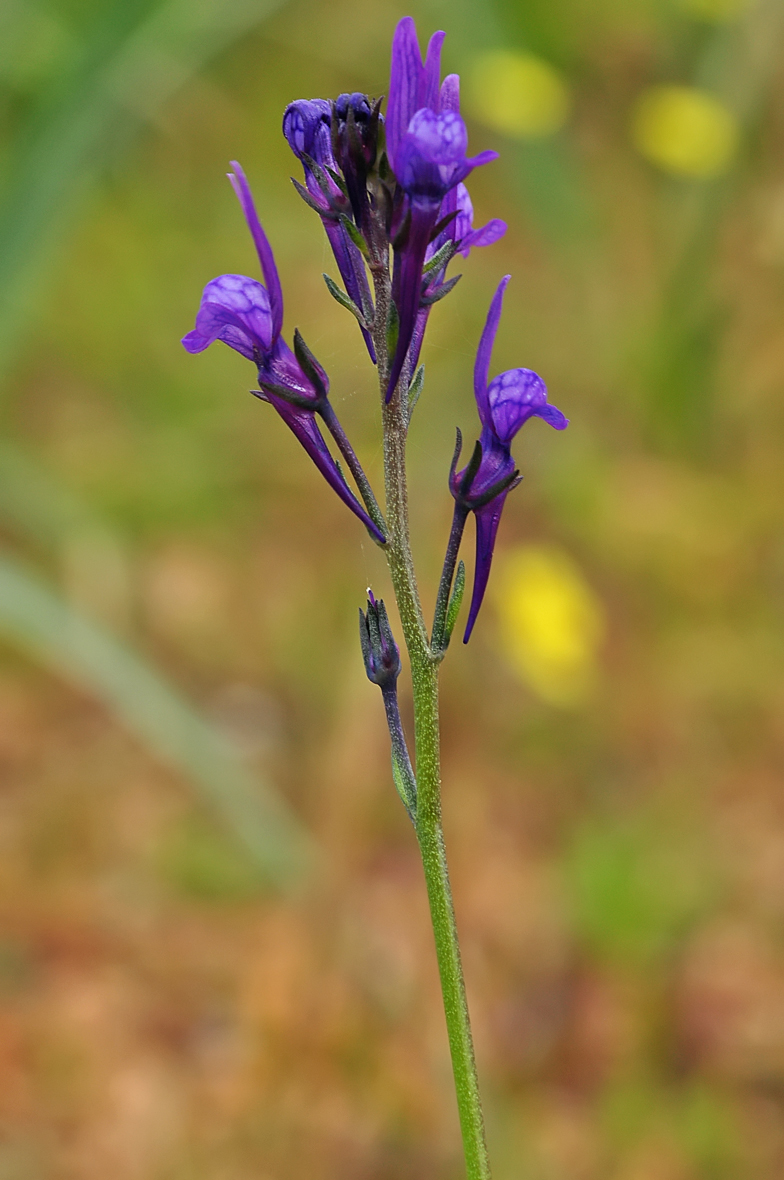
{"x":215,"y":957}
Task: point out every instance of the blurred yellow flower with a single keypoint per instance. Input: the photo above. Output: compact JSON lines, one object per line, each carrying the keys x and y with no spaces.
{"x":716,"y":10}
{"x":517,"y":94}
{"x":685,"y":131}
{"x":551,"y":623}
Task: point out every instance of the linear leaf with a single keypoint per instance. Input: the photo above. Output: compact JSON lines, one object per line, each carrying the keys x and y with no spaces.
{"x":455,"y":601}
{"x":343,"y":299}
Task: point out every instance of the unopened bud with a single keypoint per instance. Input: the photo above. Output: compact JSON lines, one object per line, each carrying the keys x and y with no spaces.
{"x":379,"y":650}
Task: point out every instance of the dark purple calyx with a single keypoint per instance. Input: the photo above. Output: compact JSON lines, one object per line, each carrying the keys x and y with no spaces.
{"x":354,"y":129}
{"x":379,"y":650}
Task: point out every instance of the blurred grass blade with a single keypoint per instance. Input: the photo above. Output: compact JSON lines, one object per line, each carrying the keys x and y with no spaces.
{"x":35,"y":619}
{"x":135,"y":60}
{"x":136,"y":56}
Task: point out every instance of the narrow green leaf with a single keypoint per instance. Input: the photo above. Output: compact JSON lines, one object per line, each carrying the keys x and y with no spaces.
{"x":455,"y":602}
{"x":309,"y":200}
{"x":344,"y":300}
{"x":339,"y":181}
{"x":414,"y":389}
{"x":440,"y":258}
{"x":34,"y":618}
{"x":404,"y":787}
{"x":355,"y":235}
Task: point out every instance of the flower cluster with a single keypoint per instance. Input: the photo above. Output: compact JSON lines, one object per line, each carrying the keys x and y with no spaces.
{"x":383,"y":184}
{"x":249,"y":318}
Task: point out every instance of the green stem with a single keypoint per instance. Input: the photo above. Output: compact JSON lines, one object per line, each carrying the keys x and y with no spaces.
{"x":430,"y":834}
{"x":352,"y":462}
{"x":424,"y":673}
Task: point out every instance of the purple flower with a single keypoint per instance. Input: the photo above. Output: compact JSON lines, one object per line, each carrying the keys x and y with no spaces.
{"x":426,"y":144}
{"x":504,"y":405}
{"x":461,"y":232}
{"x":248,"y":316}
{"x":307,"y":126}
{"x":462,"y":229}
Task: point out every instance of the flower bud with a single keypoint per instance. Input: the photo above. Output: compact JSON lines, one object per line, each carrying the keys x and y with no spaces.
{"x":379,"y":650}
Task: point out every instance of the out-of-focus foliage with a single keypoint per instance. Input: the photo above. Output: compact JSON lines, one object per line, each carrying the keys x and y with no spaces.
{"x":685,"y":131}
{"x":518,"y":94}
{"x":616,"y":850}
{"x":131,"y":59}
{"x":551,"y":624}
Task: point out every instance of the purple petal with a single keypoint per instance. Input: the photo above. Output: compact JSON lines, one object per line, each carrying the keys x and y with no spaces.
{"x":441,"y":139}
{"x":553,"y":416}
{"x":487,"y":521}
{"x":303,"y":424}
{"x":515,"y":396}
{"x":263,"y":248}
{"x":417,"y":337}
{"x":236,"y":310}
{"x":486,"y":235}
{"x":431,"y":156}
{"x":459,"y":229}
{"x":482,"y":364}
{"x":306,"y":126}
{"x":464,"y":222}
{"x":465,"y":167}
{"x":463,"y":230}
{"x":406,"y":85}
{"x":352,"y":271}
{"x":304,"y":123}
{"x":485,"y":157}
{"x":407,"y":284}
{"x":449,"y":98}
{"x":419,"y":176}
{"x":432,"y":72}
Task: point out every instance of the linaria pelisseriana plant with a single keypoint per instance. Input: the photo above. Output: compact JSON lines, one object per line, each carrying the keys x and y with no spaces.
{"x":393,"y":185}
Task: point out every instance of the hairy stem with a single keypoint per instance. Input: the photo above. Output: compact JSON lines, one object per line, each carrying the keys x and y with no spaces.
{"x":430,"y":834}
{"x":355,"y":467}
{"x":424,"y":673}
